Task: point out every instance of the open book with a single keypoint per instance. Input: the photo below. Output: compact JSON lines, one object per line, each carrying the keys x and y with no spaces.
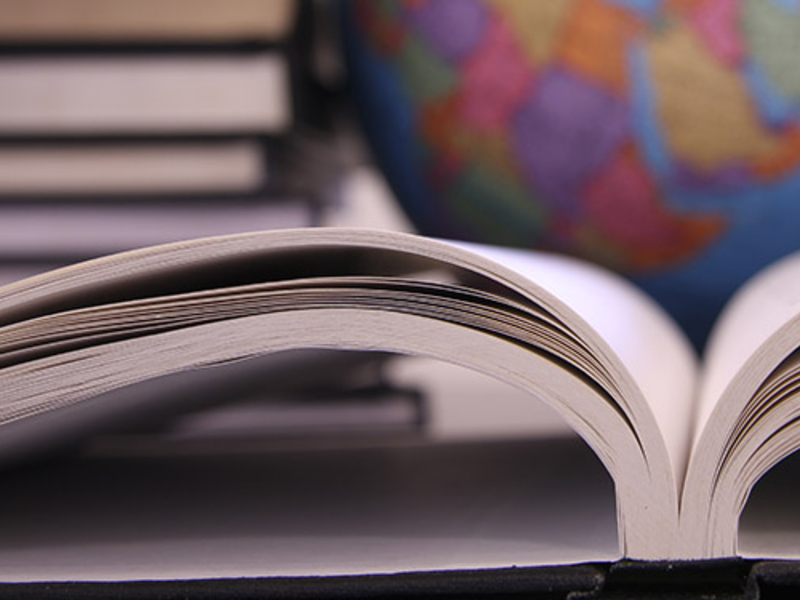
{"x":683,"y":445}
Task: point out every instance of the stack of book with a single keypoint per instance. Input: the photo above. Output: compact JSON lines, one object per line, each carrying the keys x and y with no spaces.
{"x":125,"y":124}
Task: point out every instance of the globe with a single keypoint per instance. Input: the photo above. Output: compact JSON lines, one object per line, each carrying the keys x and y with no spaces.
{"x":658,"y":137}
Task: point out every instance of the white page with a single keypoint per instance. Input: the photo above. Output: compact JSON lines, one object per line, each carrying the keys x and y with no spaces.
{"x":756,"y":332}
{"x":650,"y":345}
{"x":764,"y":305}
{"x":625,"y":433}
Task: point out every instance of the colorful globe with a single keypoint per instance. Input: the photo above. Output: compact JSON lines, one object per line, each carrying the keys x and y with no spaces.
{"x":658,"y":137}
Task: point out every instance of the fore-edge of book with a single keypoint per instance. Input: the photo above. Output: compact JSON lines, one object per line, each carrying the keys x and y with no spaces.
{"x":584,"y":341}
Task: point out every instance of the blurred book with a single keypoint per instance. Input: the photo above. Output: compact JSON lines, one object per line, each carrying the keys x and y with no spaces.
{"x":118,"y":168}
{"x":69,"y":232}
{"x":154,"y":20}
{"x":148,"y":94}
{"x":128,"y":124}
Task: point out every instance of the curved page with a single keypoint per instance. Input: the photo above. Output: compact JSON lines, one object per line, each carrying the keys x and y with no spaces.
{"x":198,"y":302}
{"x":747,"y":399}
{"x":632,"y":329}
{"x":751,"y":319}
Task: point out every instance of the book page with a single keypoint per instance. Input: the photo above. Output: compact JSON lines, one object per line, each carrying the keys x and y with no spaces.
{"x":764,"y":305}
{"x":649,"y":345}
{"x":746,"y":410}
{"x":449,"y":547}
{"x":541,"y":323}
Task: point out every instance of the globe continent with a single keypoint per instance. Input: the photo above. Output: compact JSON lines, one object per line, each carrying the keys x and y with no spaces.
{"x":658,"y":137}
